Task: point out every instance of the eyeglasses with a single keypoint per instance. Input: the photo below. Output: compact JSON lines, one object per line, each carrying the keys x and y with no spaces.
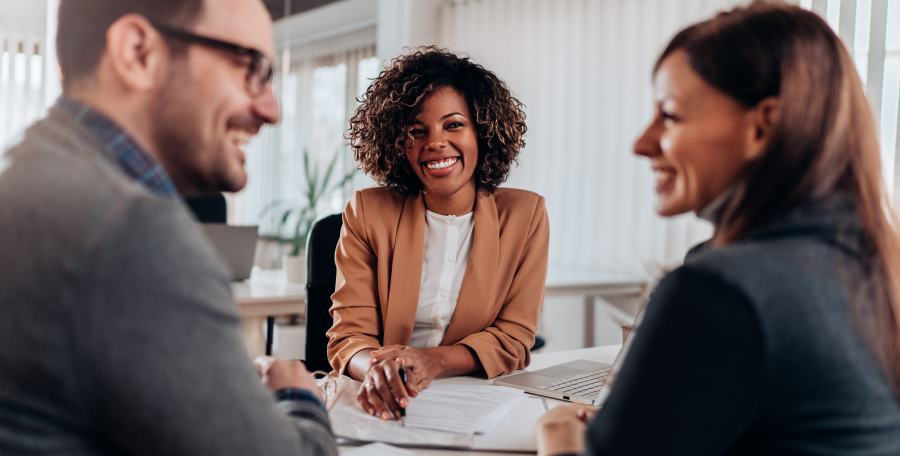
{"x":260,"y":70}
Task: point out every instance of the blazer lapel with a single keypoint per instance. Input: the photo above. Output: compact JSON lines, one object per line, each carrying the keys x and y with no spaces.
{"x":406,"y":273}
{"x":476,"y":295}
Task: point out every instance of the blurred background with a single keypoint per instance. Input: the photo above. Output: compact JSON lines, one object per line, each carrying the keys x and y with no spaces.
{"x":581,"y":67}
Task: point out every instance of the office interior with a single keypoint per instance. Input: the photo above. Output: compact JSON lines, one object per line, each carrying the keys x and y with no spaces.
{"x":582,"y":69}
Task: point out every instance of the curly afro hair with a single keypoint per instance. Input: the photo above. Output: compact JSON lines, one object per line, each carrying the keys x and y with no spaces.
{"x":380,"y":126}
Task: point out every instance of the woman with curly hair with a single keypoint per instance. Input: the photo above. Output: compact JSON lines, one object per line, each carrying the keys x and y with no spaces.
{"x":440,"y":272}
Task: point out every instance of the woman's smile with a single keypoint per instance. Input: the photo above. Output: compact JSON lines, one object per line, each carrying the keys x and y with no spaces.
{"x":443,"y":152}
{"x":441,"y":166}
{"x":665,"y":179}
{"x":699,"y":140}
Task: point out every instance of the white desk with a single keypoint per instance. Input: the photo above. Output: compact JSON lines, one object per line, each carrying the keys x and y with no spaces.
{"x":267,"y":292}
{"x":593,"y":284}
{"x":523,"y":422}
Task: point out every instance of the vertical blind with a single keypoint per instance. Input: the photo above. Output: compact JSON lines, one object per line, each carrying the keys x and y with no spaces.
{"x":583,"y":69}
{"x":871,"y":31}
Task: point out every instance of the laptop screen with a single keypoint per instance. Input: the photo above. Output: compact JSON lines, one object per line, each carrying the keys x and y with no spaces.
{"x":620,"y":358}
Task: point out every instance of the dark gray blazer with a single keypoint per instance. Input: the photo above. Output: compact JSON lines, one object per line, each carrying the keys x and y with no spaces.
{"x":118,"y":334}
{"x":752,"y":349}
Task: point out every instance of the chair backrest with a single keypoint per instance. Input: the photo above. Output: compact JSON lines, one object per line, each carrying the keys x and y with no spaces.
{"x":321,"y":274}
{"x":209,"y":209}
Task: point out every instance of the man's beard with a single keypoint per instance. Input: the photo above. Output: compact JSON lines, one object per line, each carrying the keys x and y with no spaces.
{"x":196,"y":164}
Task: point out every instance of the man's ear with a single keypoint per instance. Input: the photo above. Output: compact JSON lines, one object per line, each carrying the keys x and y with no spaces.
{"x":763,"y":118}
{"x":138,"y":55}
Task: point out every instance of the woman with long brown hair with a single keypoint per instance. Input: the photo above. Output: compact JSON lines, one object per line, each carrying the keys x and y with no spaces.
{"x":780,"y":334}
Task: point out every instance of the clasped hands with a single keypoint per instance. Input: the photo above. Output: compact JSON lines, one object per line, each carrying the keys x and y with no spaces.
{"x":382,"y":393}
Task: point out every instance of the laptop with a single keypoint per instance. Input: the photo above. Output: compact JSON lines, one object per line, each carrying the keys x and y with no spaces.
{"x":582,"y":381}
{"x":236,"y":246}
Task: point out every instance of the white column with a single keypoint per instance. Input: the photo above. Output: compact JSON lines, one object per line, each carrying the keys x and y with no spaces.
{"x":820,"y":7}
{"x":847,"y":24}
{"x":52,"y":83}
{"x":875,"y":73}
{"x":896,"y":147}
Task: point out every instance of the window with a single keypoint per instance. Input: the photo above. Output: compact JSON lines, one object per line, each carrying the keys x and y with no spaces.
{"x":21,"y":83}
{"x":318,"y":95}
{"x":859,"y":22}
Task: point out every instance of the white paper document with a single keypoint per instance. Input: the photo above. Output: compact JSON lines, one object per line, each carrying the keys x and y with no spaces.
{"x":377,"y":449}
{"x":349,"y":421}
{"x":462,"y":409}
{"x":502,"y":429}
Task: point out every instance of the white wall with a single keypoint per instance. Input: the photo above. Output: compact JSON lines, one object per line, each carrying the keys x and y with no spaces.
{"x":583,"y":70}
{"x":405,"y":24}
{"x":23,"y":14}
{"x":329,"y":21}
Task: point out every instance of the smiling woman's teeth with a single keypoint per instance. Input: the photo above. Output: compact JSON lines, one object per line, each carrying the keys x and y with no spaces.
{"x":663,"y":175}
{"x":441,"y":164}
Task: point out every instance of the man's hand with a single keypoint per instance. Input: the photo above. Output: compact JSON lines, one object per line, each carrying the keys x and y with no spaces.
{"x":562,"y":429}
{"x":277,"y":374}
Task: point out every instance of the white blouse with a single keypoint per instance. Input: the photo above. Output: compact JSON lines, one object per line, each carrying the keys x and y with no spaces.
{"x":448,"y":243}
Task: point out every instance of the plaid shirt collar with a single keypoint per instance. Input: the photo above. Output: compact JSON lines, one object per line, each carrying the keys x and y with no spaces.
{"x":133,"y":160}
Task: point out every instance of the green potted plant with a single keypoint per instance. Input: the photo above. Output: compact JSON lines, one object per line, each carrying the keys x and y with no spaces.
{"x":299,"y":216}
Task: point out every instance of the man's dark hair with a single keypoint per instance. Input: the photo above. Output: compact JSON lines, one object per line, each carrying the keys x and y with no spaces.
{"x":81,"y":36}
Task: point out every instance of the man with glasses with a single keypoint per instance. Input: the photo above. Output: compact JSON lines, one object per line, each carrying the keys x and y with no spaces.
{"x":118,"y":334}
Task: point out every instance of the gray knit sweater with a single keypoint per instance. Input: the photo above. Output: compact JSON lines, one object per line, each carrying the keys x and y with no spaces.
{"x":118,"y":333}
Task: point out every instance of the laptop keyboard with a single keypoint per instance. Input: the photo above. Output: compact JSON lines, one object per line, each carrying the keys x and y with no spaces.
{"x":585,"y":385}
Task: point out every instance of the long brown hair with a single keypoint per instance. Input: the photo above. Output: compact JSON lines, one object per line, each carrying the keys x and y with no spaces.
{"x":824,"y":142}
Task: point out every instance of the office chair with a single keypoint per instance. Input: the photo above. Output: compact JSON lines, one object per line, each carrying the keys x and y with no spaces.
{"x":209,"y":209}
{"x":321,"y":273}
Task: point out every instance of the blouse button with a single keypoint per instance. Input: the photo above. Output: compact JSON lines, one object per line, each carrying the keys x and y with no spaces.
{"x":450,"y":259}
{"x":443,"y":294}
{"x":453,"y":222}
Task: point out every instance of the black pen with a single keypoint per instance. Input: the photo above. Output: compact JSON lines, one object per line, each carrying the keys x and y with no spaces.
{"x":270,"y":326}
{"x":403,"y":410}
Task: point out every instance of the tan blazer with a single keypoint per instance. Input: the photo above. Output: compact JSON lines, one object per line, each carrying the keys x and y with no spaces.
{"x":379,"y":271}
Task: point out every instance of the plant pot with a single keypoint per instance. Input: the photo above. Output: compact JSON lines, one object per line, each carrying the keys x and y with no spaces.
{"x":295,"y":268}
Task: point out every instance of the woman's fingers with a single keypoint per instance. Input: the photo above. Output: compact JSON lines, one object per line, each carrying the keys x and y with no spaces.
{"x":388,"y":348}
{"x":411,"y":382}
{"x":407,"y":359}
{"x":423,"y":384}
{"x":387,"y":396}
{"x":374,"y":398}
{"x":397,"y":387}
{"x":385,"y":353}
{"x":560,"y":431}
{"x":382,"y":393}
{"x":363,"y":398}
{"x":411,"y":389}
{"x":586,"y":413}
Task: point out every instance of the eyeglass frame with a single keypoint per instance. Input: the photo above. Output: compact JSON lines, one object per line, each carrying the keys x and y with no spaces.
{"x":257,"y":58}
